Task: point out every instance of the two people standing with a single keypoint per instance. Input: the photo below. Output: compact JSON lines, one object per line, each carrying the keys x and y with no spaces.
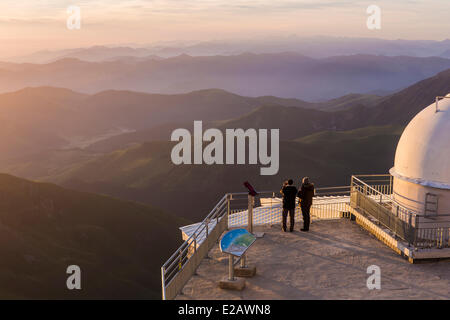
{"x":290,"y":194}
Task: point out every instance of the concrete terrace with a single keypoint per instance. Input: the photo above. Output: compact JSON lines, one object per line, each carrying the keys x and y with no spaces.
{"x":329,"y":262}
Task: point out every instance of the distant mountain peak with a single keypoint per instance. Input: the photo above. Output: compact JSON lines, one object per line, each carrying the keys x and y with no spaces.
{"x":182,"y":56}
{"x":66,"y":60}
{"x":446,"y":54}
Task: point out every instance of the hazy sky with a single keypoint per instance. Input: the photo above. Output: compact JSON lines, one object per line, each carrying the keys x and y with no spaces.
{"x":30,"y":25}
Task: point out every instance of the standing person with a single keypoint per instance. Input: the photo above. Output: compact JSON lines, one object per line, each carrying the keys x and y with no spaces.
{"x":306,"y":195}
{"x":289,"y":192}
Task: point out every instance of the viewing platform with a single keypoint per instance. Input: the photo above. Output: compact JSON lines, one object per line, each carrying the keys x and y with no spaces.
{"x":330,"y":261}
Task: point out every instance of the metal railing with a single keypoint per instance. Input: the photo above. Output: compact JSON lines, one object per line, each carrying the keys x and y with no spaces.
{"x":371,"y":201}
{"x":432,"y":238}
{"x":328,"y":203}
{"x":372,"y":195}
{"x":182,"y":264}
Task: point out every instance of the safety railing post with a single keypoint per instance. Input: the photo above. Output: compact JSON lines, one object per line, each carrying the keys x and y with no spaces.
{"x":390,"y":185}
{"x":163,"y":283}
{"x":229,"y":197}
{"x":217,"y":217}
{"x":250,"y":213}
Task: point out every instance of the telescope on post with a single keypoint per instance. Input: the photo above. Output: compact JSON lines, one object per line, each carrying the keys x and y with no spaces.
{"x":251,"y":190}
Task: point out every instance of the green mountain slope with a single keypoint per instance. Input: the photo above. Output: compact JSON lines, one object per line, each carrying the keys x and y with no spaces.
{"x":345,"y":113}
{"x":43,"y":119}
{"x":402,"y":106}
{"x":145,"y":172}
{"x":296,"y":122}
{"x":330,"y":137}
{"x":351,"y":100}
{"x":46,"y":118}
{"x":119,"y":245}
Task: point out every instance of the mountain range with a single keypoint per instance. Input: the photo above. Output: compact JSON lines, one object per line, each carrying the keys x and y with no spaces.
{"x":47,"y":118}
{"x":320,"y":47}
{"x":446,"y":54}
{"x":327,"y":145}
{"x":398,"y":108}
{"x":345,"y":113}
{"x":91,"y":54}
{"x":288,"y":75}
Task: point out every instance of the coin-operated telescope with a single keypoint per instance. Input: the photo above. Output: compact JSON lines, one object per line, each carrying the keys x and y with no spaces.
{"x":251,"y":190}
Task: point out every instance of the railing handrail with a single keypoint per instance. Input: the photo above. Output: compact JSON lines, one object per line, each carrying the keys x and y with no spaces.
{"x":407,"y":210}
{"x":370,"y":187}
{"x":206,"y":219}
{"x":372,"y":175}
{"x":268,"y":191}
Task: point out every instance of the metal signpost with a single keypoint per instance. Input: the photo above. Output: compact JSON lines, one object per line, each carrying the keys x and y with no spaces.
{"x":235,"y":243}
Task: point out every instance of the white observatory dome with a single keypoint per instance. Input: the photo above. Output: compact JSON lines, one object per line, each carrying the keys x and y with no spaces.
{"x":423,"y":152}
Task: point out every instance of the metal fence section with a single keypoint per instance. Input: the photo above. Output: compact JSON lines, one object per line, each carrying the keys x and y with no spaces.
{"x":432,"y":238}
{"x":329,"y":203}
{"x":406,"y":224}
{"x":179,"y":268}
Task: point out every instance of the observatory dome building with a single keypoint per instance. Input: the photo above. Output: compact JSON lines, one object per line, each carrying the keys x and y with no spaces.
{"x":422,"y":162}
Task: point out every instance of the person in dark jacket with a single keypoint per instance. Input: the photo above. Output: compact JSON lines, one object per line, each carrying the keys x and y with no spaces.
{"x":306,"y":195}
{"x":289,"y":192}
